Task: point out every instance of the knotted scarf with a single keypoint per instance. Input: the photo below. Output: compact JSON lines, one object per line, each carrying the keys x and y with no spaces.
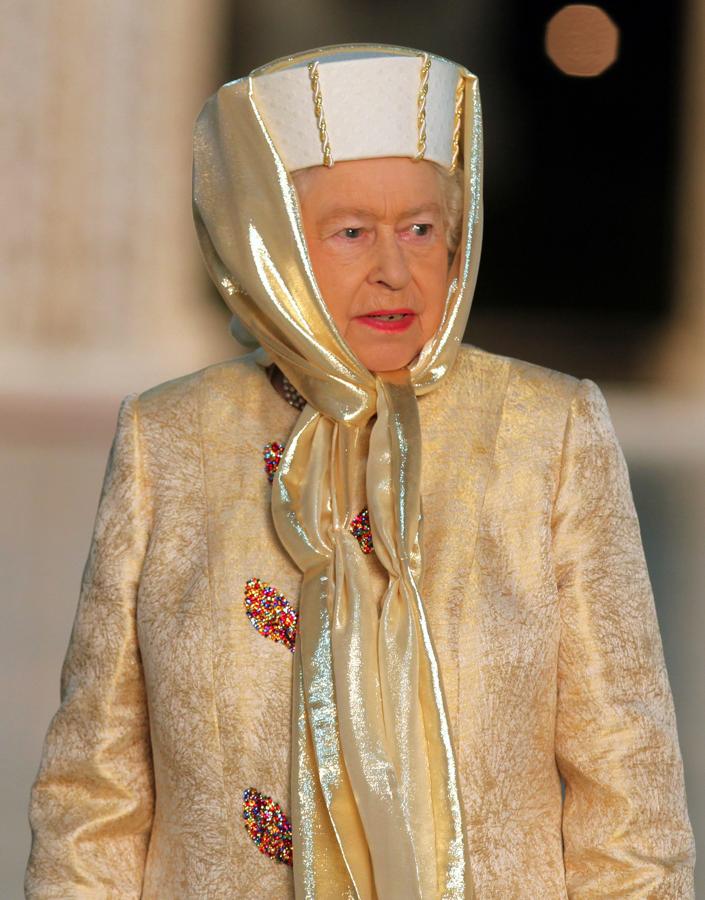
{"x":376,"y":807}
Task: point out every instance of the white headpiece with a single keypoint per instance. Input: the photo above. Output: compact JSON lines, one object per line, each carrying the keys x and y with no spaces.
{"x":354,"y":105}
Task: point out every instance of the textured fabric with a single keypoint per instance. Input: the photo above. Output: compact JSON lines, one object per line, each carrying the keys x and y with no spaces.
{"x":539,"y":606}
{"x":373,"y":763}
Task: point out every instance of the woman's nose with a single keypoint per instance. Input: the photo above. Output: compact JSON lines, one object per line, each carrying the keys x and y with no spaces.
{"x":390,"y":266}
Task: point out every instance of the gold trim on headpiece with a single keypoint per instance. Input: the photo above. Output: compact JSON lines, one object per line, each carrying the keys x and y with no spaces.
{"x":318,"y":110}
{"x":421,"y":106}
{"x":455,"y":143}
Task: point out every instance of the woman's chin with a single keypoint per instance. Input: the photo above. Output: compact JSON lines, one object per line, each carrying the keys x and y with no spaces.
{"x":389,"y":360}
{"x":380,"y":352}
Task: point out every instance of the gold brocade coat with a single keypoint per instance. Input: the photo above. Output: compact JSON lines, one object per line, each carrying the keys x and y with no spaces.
{"x":540,"y":608}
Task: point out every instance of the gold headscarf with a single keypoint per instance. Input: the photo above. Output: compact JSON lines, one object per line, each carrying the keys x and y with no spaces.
{"x":375,"y":802}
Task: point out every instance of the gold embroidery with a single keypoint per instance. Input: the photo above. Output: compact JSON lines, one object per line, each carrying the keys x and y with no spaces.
{"x":320,"y":117}
{"x":455,"y":143}
{"x":421,"y":106}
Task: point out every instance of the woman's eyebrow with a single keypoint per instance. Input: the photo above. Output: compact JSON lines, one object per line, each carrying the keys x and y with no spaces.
{"x":424,"y":208}
{"x":342,"y":211}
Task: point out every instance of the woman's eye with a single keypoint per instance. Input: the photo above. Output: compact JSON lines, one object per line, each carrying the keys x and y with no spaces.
{"x":351,"y":233}
{"x":421,"y":229}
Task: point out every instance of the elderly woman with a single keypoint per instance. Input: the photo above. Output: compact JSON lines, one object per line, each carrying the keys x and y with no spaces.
{"x":357,"y":602}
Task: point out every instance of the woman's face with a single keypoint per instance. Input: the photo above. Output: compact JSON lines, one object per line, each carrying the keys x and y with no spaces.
{"x":376,"y":239}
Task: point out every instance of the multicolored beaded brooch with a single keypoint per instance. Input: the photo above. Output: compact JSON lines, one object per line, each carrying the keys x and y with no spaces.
{"x":360,"y":528}
{"x":273,"y":452}
{"x":267,"y":825}
{"x":270,"y":613}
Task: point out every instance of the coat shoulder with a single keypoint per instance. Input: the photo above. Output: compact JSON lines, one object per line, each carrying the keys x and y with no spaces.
{"x":476,"y":364}
{"x":172,"y":414}
{"x":179,"y":395}
{"x":490,"y":387}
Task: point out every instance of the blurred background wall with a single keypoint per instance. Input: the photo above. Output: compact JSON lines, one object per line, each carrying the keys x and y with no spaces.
{"x":593,"y":263}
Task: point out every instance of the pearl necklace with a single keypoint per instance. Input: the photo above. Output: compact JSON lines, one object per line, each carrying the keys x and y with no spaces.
{"x":291,"y":395}
{"x":284,"y":387}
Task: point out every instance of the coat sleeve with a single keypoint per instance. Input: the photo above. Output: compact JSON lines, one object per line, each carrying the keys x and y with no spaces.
{"x":91,"y":804}
{"x":626,"y":830}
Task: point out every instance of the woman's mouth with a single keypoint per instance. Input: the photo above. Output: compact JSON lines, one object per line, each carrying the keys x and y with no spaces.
{"x":389,"y":319}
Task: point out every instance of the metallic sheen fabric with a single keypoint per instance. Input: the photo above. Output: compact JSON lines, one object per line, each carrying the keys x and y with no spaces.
{"x":537,"y":600}
{"x":374,"y":775}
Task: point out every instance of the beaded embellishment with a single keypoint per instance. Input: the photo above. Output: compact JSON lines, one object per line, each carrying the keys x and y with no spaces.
{"x":267,"y":825}
{"x":291,"y":395}
{"x":270,"y":613}
{"x":272,"y":457}
{"x":360,"y":528}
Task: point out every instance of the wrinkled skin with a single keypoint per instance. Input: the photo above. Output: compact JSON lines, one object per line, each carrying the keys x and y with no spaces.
{"x":377,"y":241}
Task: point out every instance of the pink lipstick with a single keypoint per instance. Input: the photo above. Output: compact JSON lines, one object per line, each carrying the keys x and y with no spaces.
{"x":389,"y":319}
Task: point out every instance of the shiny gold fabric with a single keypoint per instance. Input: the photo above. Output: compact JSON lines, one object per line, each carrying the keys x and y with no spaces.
{"x":538,"y":603}
{"x":374,"y":776}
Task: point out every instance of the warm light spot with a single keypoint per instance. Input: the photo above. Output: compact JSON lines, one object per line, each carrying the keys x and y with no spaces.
{"x":582,"y":40}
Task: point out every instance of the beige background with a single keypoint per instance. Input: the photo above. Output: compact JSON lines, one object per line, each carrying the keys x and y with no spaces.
{"x":103,"y":293}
